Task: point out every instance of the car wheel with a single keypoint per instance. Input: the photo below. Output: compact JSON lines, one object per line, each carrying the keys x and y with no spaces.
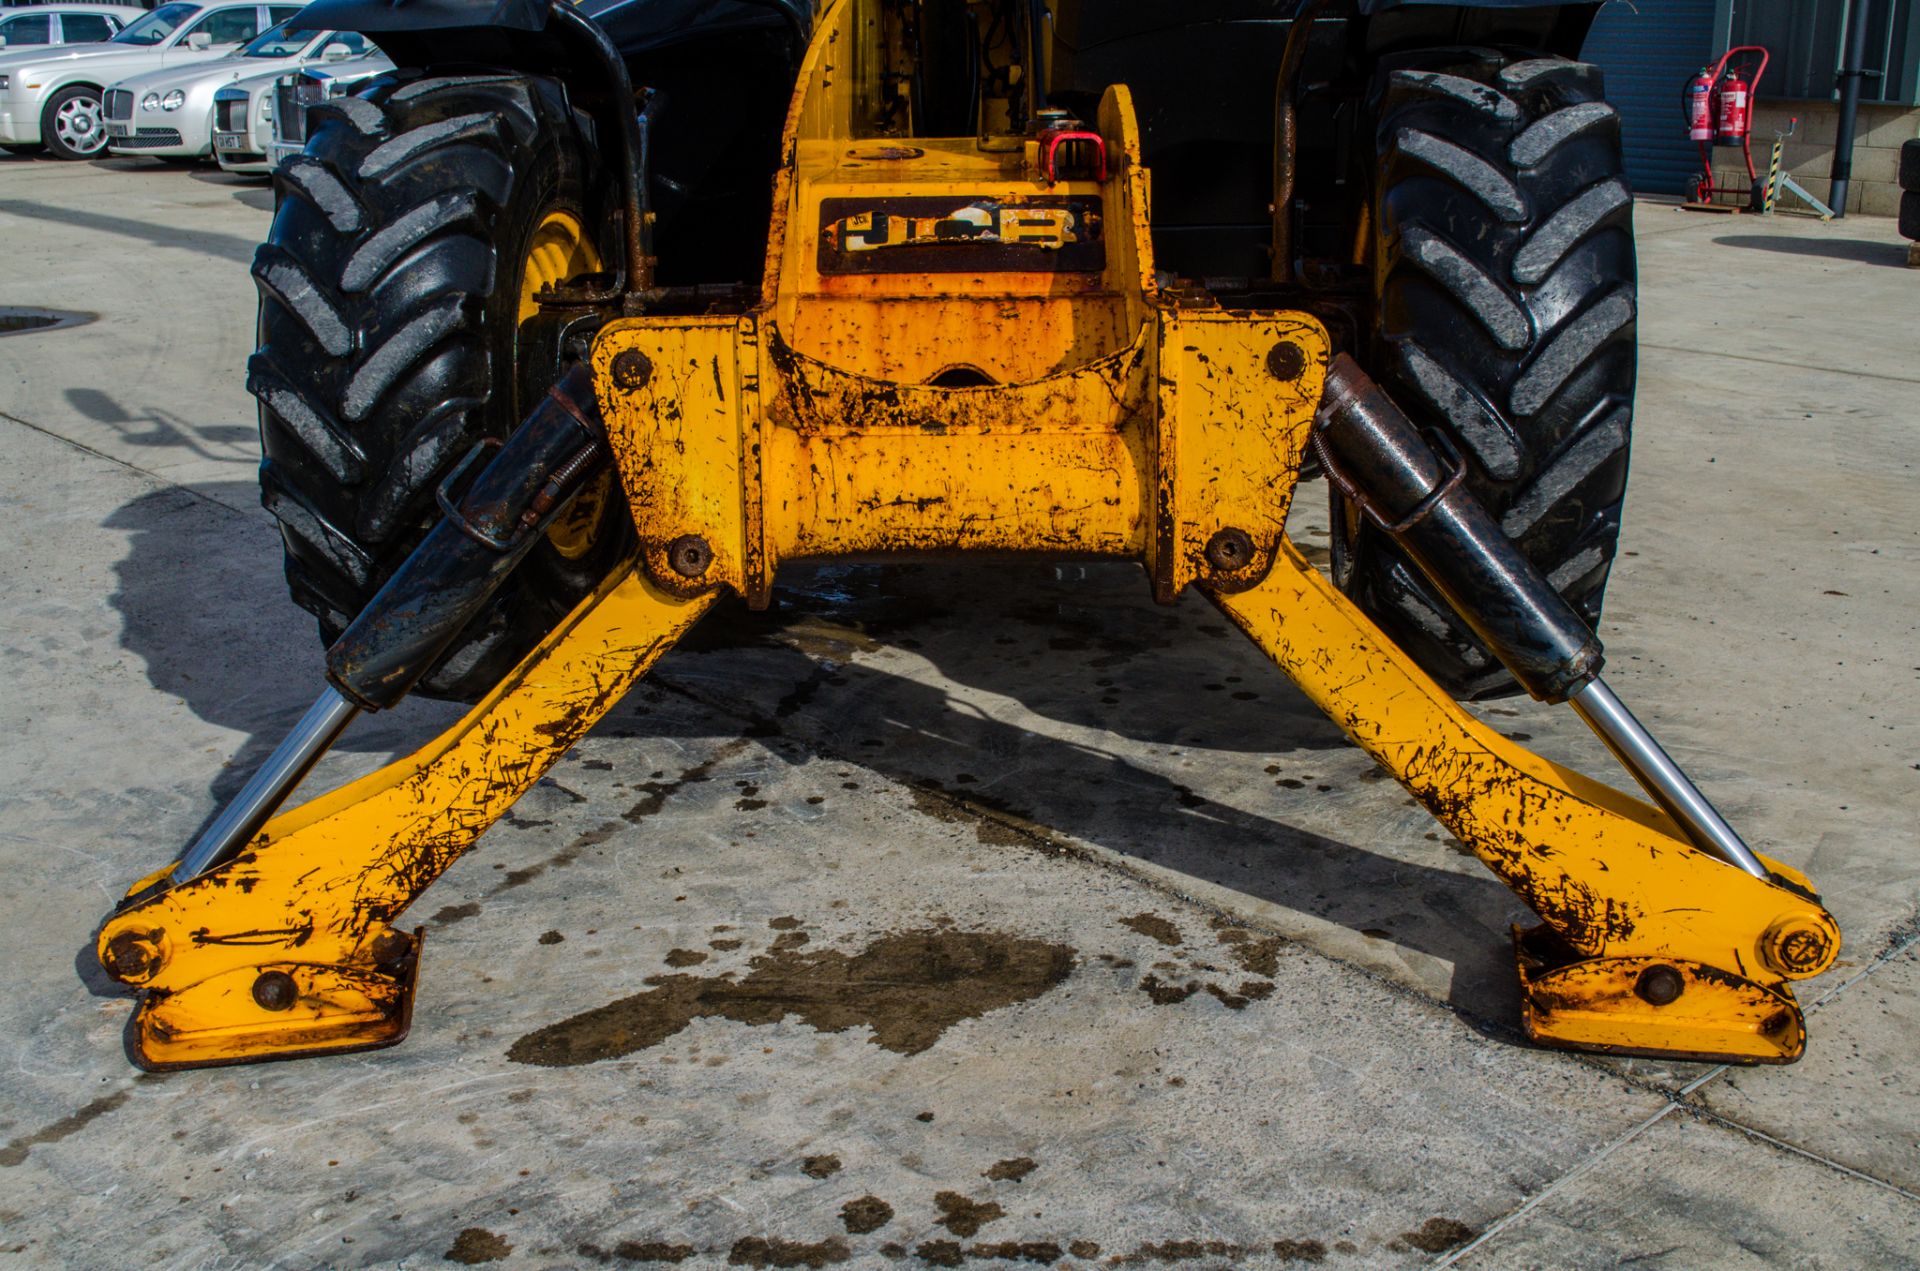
{"x":72,"y":126}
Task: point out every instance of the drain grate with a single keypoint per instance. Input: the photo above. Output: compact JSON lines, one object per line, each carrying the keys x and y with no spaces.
{"x":15,"y":319}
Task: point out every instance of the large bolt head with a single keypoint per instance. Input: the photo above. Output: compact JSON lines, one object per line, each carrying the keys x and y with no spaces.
{"x":134,"y":957}
{"x":631,"y":370}
{"x":1660,"y":986}
{"x":1799,"y":947}
{"x":1230,"y":550}
{"x":690,"y":556}
{"x":275,"y":991}
{"x":1286,"y":361}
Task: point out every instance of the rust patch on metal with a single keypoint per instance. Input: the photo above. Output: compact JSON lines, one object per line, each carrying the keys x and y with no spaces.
{"x":908,"y":987}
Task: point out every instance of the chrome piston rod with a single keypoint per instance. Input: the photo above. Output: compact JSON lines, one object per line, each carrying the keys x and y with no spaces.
{"x":1661,"y":777}
{"x":269,"y":787}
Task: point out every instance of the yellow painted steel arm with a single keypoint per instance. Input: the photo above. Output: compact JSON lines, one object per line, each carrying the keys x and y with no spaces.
{"x":1618,"y":888}
{"x":289,"y":948}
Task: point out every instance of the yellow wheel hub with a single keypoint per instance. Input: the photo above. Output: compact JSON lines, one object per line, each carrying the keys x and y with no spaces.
{"x":562,"y":249}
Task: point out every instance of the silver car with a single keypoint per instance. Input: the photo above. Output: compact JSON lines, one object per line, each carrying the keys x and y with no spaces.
{"x":51,"y":96}
{"x":51,"y":25}
{"x":169,"y":114}
{"x":243,"y":124}
{"x":294,"y":95}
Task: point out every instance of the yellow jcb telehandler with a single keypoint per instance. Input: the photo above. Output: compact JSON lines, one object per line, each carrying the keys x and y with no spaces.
{"x":587,"y":316}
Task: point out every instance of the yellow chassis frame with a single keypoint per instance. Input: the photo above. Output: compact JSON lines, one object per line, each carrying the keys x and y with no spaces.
{"x":1102,"y":418}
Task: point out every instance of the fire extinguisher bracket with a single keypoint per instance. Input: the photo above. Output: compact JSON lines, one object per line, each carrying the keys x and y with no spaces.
{"x":1718,"y":103}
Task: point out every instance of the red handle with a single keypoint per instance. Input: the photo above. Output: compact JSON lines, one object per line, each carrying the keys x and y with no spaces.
{"x":1050,"y":142}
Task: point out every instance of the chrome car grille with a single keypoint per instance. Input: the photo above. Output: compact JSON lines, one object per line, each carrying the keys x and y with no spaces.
{"x":230,"y":116}
{"x":119,"y":104}
{"x":148,"y":139}
{"x":289,"y":118}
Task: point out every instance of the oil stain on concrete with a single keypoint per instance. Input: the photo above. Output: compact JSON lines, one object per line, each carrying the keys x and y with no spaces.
{"x":475,"y":1245}
{"x":909,"y":987}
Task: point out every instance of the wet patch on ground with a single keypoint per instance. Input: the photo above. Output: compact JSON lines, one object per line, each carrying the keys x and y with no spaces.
{"x":950,"y":1253}
{"x":658,"y":788}
{"x":1154,"y":927}
{"x":868,"y":1213}
{"x":762,"y":1251}
{"x":1437,"y":1235}
{"x":476,"y":1245}
{"x":642,"y":1251}
{"x":963,"y":1215}
{"x":931,"y":800}
{"x":16,"y":1151}
{"x":908,"y":987}
{"x":1192,"y":970}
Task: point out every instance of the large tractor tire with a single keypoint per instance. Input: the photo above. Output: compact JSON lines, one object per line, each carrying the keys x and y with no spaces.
{"x":407,"y":244}
{"x":1503,"y":271}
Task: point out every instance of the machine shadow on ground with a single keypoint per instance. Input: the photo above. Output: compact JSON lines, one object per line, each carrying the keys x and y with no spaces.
{"x":1859,"y":250}
{"x":1081,"y":646}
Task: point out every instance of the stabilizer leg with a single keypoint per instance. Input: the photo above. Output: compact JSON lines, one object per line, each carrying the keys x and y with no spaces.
{"x":1650,"y":945}
{"x":289,"y":948}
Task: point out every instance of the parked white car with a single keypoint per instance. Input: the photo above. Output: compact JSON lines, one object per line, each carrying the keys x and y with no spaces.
{"x":53,"y":25}
{"x":294,"y":95}
{"x":168,"y":114}
{"x":243,"y":124}
{"x":51,"y":96}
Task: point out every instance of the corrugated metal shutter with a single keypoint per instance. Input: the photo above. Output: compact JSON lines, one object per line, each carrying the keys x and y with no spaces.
{"x":1648,"y":57}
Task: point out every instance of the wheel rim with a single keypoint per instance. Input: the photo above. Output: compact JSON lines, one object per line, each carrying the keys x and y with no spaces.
{"x":561,"y":249}
{"x":77,"y":125}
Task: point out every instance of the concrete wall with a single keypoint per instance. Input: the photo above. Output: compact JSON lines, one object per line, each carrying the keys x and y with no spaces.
{"x":1875,"y":189}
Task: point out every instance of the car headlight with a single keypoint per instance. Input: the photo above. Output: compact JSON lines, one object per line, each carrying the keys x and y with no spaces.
{"x":150,"y":102}
{"x":173,"y":100}
{"x":266,"y":108}
{"x":6,"y":82}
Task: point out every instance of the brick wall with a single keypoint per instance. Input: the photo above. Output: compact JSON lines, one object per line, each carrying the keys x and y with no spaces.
{"x":1874,"y":190}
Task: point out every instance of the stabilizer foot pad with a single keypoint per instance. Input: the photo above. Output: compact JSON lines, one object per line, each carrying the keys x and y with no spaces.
{"x":278,"y":1010}
{"x":1666,"y":1008}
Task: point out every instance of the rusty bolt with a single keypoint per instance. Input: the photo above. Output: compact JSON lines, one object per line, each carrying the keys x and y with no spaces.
{"x":690,"y":556}
{"x":390,"y":949}
{"x":1797,"y":949}
{"x":134,"y":957}
{"x":1285,"y":361}
{"x":1230,"y":550}
{"x":275,"y":991}
{"x":631,"y":370}
{"x":1660,"y":986}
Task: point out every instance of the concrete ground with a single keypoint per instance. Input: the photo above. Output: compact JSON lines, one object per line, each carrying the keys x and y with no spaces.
{"x":1225,"y":997}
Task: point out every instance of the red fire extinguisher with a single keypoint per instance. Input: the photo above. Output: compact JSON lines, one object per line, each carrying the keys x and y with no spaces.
{"x":1734,"y":118}
{"x":1699,"y":105}
{"x":1719,"y":108}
